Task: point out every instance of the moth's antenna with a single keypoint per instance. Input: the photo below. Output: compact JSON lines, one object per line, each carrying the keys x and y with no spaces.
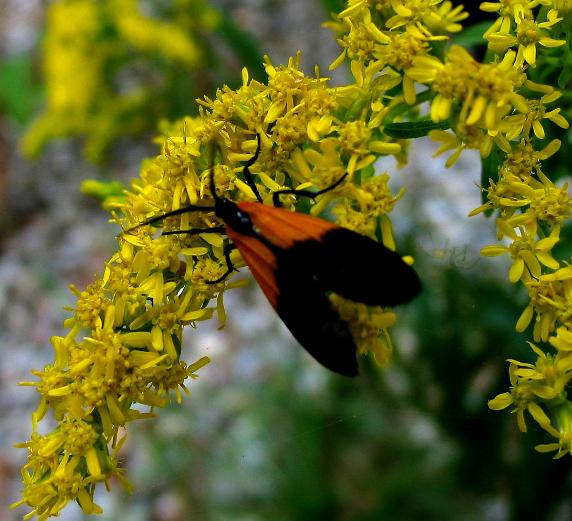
{"x":212,"y":177}
{"x":248,"y":174}
{"x":173,"y":213}
{"x":245,"y":171}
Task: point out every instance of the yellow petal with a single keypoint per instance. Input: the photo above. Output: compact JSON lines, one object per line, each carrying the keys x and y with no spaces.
{"x":525,"y":318}
{"x":516,"y":270}
{"x":479,"y":106}
{"x":499,"y":402}
{"x":538,"y":414}
{"x":493,"y":251}
{"x":275,"y":110}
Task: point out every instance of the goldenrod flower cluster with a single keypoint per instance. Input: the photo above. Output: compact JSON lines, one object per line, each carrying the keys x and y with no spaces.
{"x":495,"y":106}
{"x":530,"y":208}
{"x":90,"y":47}
{"x":123,"y":347}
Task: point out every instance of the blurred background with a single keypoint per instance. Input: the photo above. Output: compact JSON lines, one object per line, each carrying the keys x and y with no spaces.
{"x":267,"y":433}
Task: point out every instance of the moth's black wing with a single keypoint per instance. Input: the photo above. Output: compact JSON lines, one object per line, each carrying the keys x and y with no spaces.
{"x":306,"y":310}
{"x":349,"y":264}
{"x":288,"y":281}
{"x":363,"y":270}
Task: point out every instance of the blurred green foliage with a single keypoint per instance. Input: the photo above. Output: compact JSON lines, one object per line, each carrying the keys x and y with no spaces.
{"x":334,"y":6}
{"x":121,"y":67}
{"x":20,"y":97}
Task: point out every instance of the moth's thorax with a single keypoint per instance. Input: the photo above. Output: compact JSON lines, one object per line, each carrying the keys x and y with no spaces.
{"x":234,"y":217}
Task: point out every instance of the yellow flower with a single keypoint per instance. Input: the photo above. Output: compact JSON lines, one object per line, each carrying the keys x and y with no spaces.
{"x":494,"y":92}
{"x":531,"y":114}
{"x":147,"y":34}
{"x":445,"y":18}
{"x":543,"y":381}
{"x":486,"y":92}
{"x":510,"y":11}
{"x":550,"y":304}
{"x":527,"y":253}
{"x":550,"y":374}
{"x":467,"y":137}
{"x":529,"y":34}
{"x":523,"y":397}
{"x":547,"y":204}
{"x":447,"y":79}
{"x":512,"y":191}
{"x":412,"y":14}
{"x":360,"y":36}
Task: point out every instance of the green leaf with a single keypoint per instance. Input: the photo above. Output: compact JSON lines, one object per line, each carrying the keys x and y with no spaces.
{"x":414,"y":129}
{"x":472,"y":36}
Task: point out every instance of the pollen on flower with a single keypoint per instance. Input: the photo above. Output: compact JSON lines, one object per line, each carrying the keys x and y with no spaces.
{"x":354,"y":136}
{"x":401,"y":50}
{"x":522,"y":161}
{"x":285,"y":84}
{"x":552,"y":205}
{"x":90,"y":306}
{"x":79,"y":436}
{"x":358,"y":43}
{"x":172,"y":379}
{"x":290,"y":131}
{"x":452,"y":79}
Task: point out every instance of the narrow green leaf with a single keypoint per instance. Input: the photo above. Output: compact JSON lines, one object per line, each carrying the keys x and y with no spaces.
{"x":414,"y":129}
